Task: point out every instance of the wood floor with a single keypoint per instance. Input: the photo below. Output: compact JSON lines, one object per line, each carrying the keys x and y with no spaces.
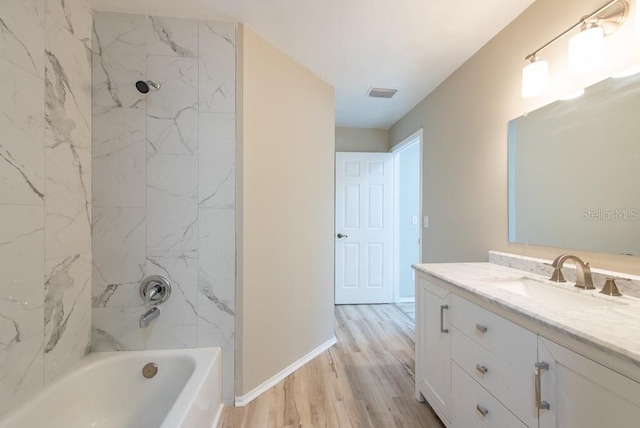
{"x":365,"y":380}
{"x":408,"y":308}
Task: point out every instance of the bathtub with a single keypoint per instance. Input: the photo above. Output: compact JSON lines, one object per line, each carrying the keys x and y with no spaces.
{"x":107,"y":389}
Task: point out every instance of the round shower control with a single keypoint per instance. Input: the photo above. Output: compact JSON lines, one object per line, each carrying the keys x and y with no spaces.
{"x":155,"y":289}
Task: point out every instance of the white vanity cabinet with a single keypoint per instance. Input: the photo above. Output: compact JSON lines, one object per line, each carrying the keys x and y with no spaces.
{"x":433,"y":345}
{"x":499,"y":357}
{"x":584,"y":394}
{"x":478,"y":369}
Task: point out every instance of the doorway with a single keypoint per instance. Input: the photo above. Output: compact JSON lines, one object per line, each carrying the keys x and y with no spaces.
{"x":408,"y":219}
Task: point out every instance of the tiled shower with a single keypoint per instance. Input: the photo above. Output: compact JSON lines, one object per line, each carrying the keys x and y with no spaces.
{"x":85,"y":219}
{"x":164,"y":182}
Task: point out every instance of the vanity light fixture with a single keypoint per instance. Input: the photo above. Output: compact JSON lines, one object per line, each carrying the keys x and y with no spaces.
{"x":585,"y":48}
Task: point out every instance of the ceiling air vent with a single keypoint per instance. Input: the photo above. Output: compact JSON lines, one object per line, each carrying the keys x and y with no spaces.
{"x":382,"y":92}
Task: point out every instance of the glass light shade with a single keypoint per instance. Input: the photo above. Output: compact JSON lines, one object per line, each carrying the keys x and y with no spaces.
{"x":586,"y":50}
{"x":535,"y":79}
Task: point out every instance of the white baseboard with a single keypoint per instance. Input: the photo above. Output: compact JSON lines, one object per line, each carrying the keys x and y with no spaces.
{"x":407,"y":300}
{"x":245,"y":399}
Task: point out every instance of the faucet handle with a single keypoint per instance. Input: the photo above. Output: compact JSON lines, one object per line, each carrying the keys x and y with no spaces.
{"x":610,"y":288}
{"x":155,"y":289}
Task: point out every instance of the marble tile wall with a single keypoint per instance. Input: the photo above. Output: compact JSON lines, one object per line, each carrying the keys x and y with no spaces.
{"x":45,"y":197}
{"x":164,"y":182}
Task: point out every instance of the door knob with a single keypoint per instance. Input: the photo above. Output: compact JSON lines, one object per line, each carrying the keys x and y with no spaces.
{"x":340,"y":236}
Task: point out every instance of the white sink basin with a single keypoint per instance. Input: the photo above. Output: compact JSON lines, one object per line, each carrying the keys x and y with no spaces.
{"x":548,"y":293}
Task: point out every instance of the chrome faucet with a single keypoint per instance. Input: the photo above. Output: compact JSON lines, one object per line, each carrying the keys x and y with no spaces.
{"x":154,"y":290}
{"x":583,"y":271}
{"x":149,"y":316}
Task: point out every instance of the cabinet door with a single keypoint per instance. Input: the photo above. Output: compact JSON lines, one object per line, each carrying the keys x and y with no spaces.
{"x":584,"y":394}
{"x":434,"y":347}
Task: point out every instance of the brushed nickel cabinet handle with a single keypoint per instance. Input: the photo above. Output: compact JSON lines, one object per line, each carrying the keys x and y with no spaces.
{"x":481,"y":328}
{"x":482,"y":369}
{"x":540,"y":403}
{"x":483,"y":410}
{"x":442,"y":329}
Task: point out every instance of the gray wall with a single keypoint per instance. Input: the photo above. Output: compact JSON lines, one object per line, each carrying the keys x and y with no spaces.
{"x":164,"y":179}
{"x":45,"y":197}
{"x":362,"y":140}
{"x":409,"y":206}
{"x":465,"y":134}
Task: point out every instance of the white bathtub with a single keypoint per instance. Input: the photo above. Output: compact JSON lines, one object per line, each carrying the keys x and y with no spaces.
{"x":107,"y":389}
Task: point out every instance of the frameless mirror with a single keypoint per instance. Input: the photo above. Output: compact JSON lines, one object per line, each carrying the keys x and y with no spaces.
{"x":574,"y":171}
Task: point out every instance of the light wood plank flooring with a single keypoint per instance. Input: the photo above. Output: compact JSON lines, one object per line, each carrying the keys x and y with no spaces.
{"x":409,"y":309}
{"x":366,"y":380}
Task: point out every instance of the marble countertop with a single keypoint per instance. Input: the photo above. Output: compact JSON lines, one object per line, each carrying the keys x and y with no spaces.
{"x":613,"y":326}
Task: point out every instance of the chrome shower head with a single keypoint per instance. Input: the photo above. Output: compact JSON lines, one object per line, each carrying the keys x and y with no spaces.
{"x":145,"y":86}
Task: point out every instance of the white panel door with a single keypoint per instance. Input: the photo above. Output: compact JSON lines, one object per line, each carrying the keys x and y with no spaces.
{"x":364,"y":228}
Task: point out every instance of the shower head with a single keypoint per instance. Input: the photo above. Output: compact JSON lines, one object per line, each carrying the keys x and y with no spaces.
{"x":145,"y":86}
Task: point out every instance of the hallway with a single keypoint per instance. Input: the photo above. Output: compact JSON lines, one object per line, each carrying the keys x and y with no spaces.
{"x":365,"y":380}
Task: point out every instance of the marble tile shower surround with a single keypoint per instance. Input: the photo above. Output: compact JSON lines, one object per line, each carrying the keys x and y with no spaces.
{"x":164,"y":182}
{"x":45,"y":197}
{"x":629,"y":285}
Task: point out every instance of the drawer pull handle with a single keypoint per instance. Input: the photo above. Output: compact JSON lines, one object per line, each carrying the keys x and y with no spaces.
{"x":481,"y":328}
{"x":483,"y":411}
{"x":482,"y":369}
{"x":540,"y":403}
{"x":442,"y":329}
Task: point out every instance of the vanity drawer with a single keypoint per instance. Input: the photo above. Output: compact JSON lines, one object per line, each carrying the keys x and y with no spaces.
{"x":506,"y":340}
{"x":511,"y":387}
{"x":460,"y":417}
{"x":474,"y":400}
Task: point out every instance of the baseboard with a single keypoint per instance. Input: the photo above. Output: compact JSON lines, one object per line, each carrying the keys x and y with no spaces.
{"x":218,"y":414}
{"x":245,"y":399}
{"x":407,"y":300}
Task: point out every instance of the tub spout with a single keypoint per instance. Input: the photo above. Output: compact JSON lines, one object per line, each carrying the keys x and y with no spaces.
{"x":149,"y":316}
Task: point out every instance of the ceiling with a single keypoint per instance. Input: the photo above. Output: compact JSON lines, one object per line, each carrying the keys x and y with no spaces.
{"x":409,"y":45}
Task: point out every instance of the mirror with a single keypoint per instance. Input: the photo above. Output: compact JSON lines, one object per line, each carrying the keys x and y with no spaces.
{"x":574,"y":171}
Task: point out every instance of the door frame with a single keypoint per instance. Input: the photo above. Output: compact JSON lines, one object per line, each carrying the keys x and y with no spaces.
{"x":415,"y":138}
